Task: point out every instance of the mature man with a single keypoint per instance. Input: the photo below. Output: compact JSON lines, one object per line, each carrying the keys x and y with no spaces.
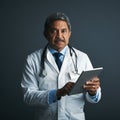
{"x":50,"y":73}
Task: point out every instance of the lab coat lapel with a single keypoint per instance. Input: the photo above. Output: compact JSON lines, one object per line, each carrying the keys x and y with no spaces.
{"x":66,"y":61}
{"x":65,"y":64}
{"x":51,"y":60}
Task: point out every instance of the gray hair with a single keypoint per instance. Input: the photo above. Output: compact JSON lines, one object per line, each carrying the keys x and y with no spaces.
{"x":56,"y":16}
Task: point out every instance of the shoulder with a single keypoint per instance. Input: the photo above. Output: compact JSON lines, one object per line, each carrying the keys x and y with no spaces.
{"x":84,"y":61}
{"x":80,"y":53}
{"x":35,"y":56}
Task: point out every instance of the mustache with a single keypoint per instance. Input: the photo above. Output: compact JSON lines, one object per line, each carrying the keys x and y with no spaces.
{"x":59,"y":39}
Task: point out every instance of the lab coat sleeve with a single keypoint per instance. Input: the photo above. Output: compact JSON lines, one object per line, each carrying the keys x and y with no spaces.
{"x":94,"y":99}
{"x":31,"y":93}
{"x":97,"y":97}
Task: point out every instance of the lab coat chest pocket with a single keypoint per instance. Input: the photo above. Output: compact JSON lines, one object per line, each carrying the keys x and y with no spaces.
{"x":47,"y":82}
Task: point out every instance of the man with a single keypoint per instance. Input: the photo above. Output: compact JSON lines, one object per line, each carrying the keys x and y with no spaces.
{"x":46,"y":85}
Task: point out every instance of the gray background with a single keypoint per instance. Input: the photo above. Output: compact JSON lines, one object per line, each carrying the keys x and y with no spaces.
{"x":95,"y":30}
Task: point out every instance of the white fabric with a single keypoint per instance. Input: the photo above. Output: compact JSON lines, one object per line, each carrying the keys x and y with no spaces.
{"x":36,"y":88}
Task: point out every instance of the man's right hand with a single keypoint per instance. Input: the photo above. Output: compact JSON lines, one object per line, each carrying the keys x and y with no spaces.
{"x":65,"y":90}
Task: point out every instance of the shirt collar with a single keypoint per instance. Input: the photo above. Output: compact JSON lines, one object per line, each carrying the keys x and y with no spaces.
{"x":62,"y":51}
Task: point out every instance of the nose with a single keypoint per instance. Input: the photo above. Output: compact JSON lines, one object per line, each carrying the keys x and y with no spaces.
{"x":59,"y":34}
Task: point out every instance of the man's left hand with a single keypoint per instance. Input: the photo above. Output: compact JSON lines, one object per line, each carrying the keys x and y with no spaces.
{"x":92,"y":85}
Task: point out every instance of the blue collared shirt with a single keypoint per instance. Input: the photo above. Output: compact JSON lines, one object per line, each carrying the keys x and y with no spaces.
{"x":62,"y":51}
{"x":52,"y":93}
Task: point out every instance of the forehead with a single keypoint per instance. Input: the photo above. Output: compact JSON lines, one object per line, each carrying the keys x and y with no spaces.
{"x":59,"y":24}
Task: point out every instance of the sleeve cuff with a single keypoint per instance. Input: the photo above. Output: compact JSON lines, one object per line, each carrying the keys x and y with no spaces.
{"x":52,"y":96}
{"x":95,"y":98}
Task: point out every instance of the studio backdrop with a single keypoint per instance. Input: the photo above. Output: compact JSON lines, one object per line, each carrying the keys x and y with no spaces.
{"x":95,"y":30}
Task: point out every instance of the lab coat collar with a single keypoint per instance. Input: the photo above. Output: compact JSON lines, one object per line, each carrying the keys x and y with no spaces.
{"x":51,"y":59}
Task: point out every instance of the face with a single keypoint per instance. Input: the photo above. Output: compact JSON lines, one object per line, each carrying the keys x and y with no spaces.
{"x":58,"y":35}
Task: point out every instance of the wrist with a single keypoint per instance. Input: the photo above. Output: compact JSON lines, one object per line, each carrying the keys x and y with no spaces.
{"x":59,"y":94}
{"x":91,"y":93}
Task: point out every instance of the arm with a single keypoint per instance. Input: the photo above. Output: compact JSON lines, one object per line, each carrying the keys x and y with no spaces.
{"x":31,"y":93}
{"x":92,"y":87}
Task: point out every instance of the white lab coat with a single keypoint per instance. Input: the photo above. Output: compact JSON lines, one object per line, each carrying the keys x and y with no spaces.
{"x":36,"y":87}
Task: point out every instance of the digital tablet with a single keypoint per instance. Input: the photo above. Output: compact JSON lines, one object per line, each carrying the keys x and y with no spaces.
{"x":85,"y":76}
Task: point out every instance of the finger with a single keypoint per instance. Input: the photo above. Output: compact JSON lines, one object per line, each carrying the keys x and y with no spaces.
{"x":68,"y":87}
{"x":95,"y":79}
{"x":92,"y":87}
{"x":71,"y":83}
{"x":94,"y":82}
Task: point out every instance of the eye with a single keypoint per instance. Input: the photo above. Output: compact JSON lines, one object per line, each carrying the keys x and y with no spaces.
{"x":53,"y":31}
{"x":64,"y":31}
